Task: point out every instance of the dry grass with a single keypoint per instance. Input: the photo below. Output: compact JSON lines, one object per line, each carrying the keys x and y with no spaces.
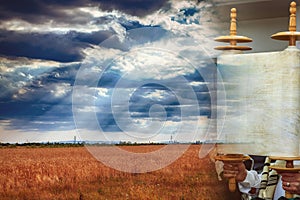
{"x":73,"y":173}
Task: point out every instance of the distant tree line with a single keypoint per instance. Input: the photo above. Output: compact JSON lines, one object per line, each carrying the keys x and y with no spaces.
{"x":81,"y":144}
{"x":36,"y":144}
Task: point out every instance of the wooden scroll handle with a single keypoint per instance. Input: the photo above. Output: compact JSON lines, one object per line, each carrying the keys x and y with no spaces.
{"x":289,"y":167}
{"x":232,"y":158}
{"x":289,"y":164}
{"x":232,"y":184}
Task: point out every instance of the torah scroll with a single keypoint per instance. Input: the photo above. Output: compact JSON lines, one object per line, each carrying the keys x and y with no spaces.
{"x":262,"y":103}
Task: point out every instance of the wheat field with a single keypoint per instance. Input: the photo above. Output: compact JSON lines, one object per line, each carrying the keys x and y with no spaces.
{"x":73,"y":173}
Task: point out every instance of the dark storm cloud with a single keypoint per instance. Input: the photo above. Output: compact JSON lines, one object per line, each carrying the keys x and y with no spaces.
{"x":95,"y":37}
{"x":40,"y":108}
{"x":49,"y":121}
{"x":107,"y":122}
{"x":109,"y":79}
{"x":40,"y":116}
{"x":146,"y":96}
{"x":41,"y":88}
{"x":65,"y":74}
{"x":133,"y":7}
{"x":49,"y":46}
{"x":64,"y":47}
{"x":29,"y":110}
{"x":141,"y":104}
{"x":39,"y":11}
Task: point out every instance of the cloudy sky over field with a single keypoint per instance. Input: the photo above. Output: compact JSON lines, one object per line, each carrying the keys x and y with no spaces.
{"x":128,"y":70}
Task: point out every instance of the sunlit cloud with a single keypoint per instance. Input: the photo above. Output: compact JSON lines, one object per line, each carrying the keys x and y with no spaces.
{"x":157,"y":53}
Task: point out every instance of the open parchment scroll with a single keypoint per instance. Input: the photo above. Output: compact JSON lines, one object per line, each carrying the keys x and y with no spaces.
{"x":262,"y":103}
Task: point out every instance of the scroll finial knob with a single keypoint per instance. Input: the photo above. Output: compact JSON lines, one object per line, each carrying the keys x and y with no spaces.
{"x":233,"y":38}
{"x":233,"y":22}
{"x":292,"y":36}
{"x":292,"y":25}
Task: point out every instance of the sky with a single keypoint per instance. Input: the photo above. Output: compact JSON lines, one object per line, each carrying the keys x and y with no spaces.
{"x":107,"y":70}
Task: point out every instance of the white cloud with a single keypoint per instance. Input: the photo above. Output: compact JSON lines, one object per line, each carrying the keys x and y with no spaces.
{"x":102,"y":92}
{"x":90,"y":99}
{"x":11,"y":65}
{"x":60,"y":90}
{"x":156,"y":95}
{"x":19,"y":93}
{"x":152,"y":63}
{"x":81,"y":19}
{"x":87,"y":109}
{"x":194,"y":83}
{"x":204,"y":32}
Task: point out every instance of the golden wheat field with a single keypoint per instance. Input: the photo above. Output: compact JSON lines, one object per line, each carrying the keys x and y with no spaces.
{"x":73,"y":173}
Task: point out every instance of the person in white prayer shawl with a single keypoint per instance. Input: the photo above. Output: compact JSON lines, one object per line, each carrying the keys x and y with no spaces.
{"x":250,"y":182}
